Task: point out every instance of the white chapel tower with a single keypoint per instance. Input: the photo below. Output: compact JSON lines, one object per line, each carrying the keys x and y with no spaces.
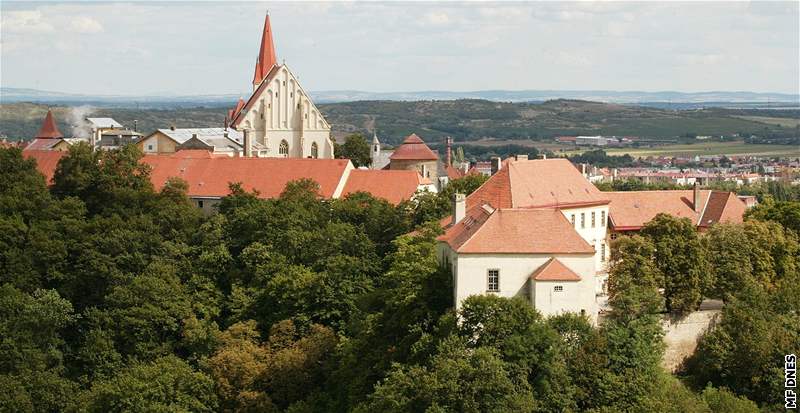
{"x":280,"y":114}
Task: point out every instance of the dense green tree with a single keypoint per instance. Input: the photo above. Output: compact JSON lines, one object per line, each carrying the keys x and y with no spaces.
{"x":633,"y":278}
{"x":745,"y":351}
{"x":680,"y":257}
{"x":457,"y":379}
{"x":786,"y":213}
{"x":165,"y":384}
{"x":355,"y":148}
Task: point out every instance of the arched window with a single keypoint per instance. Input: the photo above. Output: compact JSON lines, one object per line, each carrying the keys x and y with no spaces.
{"x":284,"y":148}
{"x":314,"y":150}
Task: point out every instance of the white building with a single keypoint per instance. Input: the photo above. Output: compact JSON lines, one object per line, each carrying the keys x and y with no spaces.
{"x":279,"y":114}
{"x":536,"y":229}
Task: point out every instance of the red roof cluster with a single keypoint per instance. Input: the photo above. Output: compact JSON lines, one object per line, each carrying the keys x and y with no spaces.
{"x":631,"y":210}
{"x":413,"y":149}
{"x":46,"y":161}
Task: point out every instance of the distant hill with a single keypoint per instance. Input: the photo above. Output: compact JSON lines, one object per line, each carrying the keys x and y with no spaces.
{"x":667,"y":99}
{"x":465,"y":120}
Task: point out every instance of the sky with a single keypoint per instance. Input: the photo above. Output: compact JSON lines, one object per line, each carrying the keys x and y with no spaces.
{"x":194,"y":48}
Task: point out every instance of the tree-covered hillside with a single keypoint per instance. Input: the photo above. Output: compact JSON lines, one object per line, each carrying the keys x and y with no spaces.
{"x":464,"y":120}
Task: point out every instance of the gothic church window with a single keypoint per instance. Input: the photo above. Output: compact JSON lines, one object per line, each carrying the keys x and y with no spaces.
{"x":283,"y":149}
{"x":314,"y":150}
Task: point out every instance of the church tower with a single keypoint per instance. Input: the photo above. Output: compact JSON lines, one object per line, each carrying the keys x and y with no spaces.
{"x":279,"y":115}
{"x":375,"y":154}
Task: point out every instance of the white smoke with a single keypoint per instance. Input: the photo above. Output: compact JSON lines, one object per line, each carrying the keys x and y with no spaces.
{"x":81,"y":128}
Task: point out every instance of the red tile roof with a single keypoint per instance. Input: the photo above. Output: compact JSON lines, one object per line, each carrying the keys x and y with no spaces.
{"x":453,"y":173}
{"x":392,"y":185}
{"x":515,"y":231}
{"x":555,"y":270}
{"x":535,"y":184}
{"x":413,"y":148}
{"x":209,"y":176}
{"x":46,"y":161}
{"x":49,"y":128}
{"x":631,"y":210}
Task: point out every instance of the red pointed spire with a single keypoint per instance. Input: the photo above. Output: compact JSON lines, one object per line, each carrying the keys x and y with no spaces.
{"x":49,"y":128}
{"x":266,"y":55}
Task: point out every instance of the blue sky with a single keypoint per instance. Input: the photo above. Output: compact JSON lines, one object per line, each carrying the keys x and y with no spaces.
{"x":210,"y":47}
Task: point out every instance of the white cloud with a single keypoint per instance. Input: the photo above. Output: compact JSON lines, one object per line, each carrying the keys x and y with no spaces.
{"x":25,"y":22}
{"x":84,"y":24}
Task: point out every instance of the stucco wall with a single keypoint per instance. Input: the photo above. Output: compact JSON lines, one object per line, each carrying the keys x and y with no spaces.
{"x":470,"y":272}
{"x":160,"y":144}
{"x":431,"y":170}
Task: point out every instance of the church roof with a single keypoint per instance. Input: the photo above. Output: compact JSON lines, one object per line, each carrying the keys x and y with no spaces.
{"x":49,"y":128}
{"x":414,"y":148}
{"x":266,"y":54}
{"x":555,"y":270}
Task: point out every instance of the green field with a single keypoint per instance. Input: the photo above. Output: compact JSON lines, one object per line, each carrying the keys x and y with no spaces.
{"x":781,"y":122}
{"x":710,"y":148}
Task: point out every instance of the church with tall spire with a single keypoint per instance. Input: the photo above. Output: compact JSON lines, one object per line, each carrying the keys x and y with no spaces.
{"x":280,"y":115}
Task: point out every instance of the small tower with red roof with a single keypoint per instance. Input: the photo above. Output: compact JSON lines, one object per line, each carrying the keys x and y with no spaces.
{"x":414,"y":154}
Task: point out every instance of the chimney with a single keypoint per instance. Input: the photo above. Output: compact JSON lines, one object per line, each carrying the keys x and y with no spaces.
{"x":696,"y":197}
{"x":497,"y":164}
{"x":448,"y":142}
{"x":459,"y":207}
{"x":614,"y":173}
{"x":543,"y":156}
{"x":583,"y":169}
{"x":247,"y":146}
{"x":135,"y":126}
{"x":225,"y":123}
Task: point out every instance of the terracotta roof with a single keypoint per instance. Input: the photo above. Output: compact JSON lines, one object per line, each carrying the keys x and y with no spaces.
{"x":515,"y":231}
{"x":554,"y":270}
{"x":210,"y":175}
{"x":392,"y":185}
{"x":413,"y":148}
{"x":535,"y":184}
{"x":49,"y":128}
{"x":46,"y":161}
{"x":453,"y":173}
{"x":266,"y":54}
{"x":631,"y":210}
{"x":722,"y":207}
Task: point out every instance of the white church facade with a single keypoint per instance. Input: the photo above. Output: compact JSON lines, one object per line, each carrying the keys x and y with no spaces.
{"x":280,"y":115}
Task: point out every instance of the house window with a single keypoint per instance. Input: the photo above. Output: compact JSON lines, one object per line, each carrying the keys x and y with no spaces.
{"x":613,"y":236}
{"x":572,"y":219}
{"x":493,"y":280}
{"x":583,"y":220}
{"x":199,"y":204}
{"x":283,"y":149}
{"x":149,"y":147}
{"x":558,"y":288}
{"x":593,"y":221}
{"x":602,"y":252}
{"x":314,"y":150}
{"x":602,"y":218}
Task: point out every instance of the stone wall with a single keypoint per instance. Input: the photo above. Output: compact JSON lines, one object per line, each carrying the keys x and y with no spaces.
{"x":681,"y":336}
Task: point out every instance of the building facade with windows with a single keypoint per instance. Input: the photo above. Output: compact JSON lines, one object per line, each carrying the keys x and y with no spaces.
{"x":539,"y":230}
{"x":536,"y":230}
{"x":280,"y":115}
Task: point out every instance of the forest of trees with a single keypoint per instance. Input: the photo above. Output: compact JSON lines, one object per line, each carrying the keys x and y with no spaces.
{"x":116,"y":297}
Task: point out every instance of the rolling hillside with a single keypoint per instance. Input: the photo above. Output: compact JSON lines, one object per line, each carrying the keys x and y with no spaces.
{"x":464,"y":120}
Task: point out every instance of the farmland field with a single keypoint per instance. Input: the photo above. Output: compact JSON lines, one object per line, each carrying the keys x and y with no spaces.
{"x":711,"y":148}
